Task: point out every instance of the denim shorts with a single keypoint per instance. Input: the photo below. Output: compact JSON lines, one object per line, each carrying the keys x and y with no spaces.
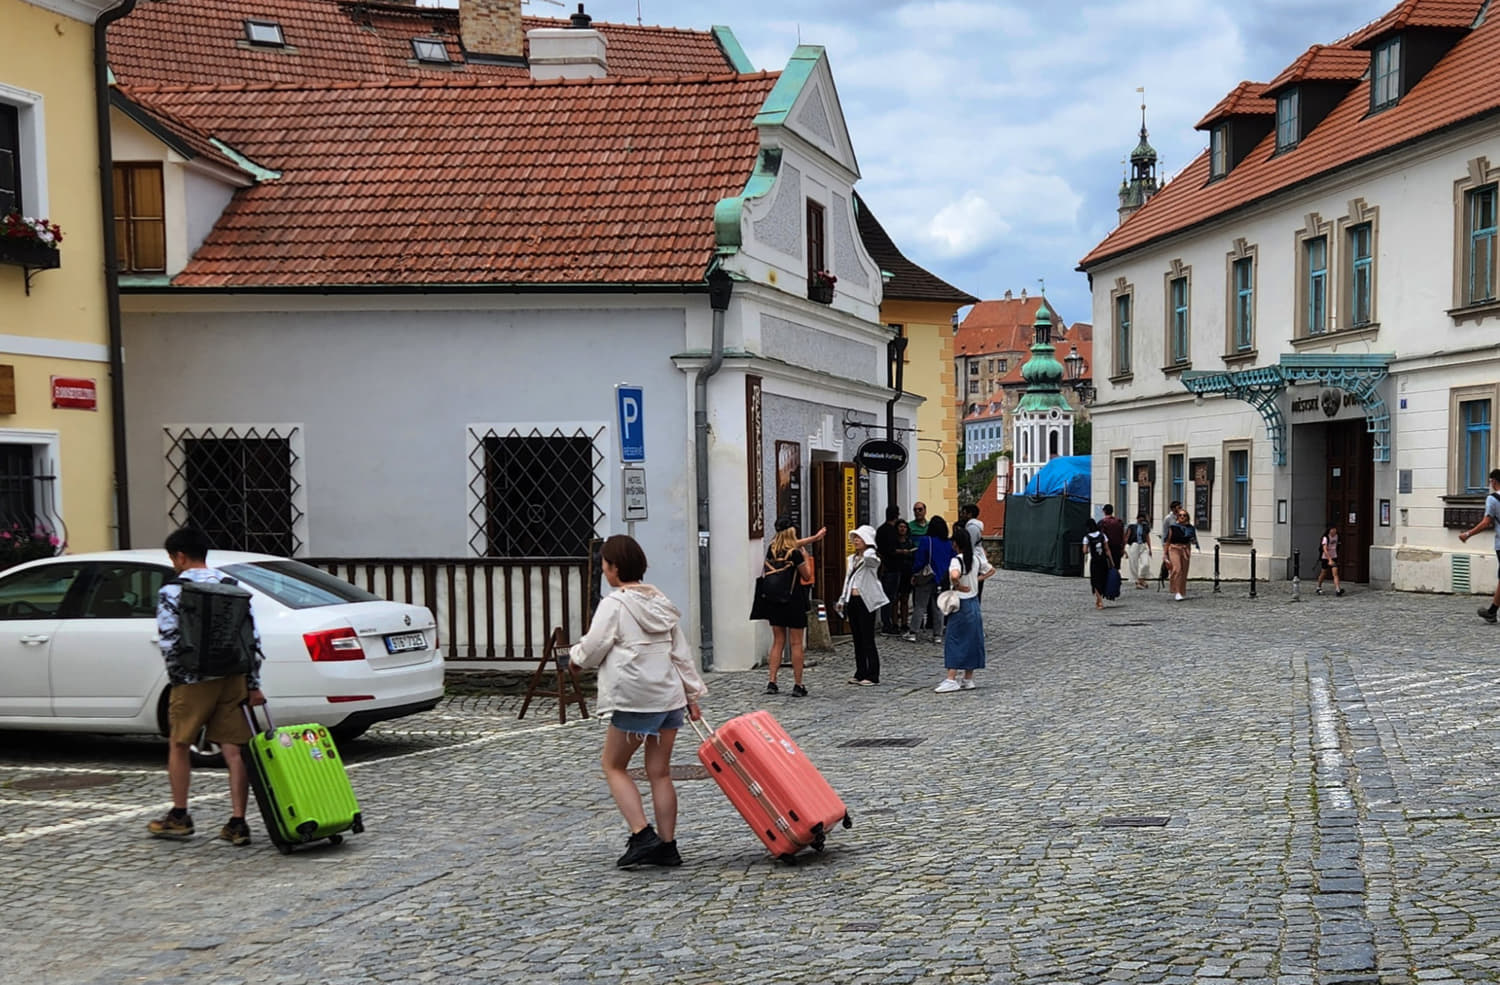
{"x":644,"y":723}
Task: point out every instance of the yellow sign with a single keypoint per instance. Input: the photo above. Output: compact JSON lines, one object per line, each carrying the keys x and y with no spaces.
{"x":851,"y":500}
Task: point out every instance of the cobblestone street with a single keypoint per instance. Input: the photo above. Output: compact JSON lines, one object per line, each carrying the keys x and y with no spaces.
{"x":1219,"y":789}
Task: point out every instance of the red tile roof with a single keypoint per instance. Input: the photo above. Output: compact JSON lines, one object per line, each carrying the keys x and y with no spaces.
{"x":1452,"y":14}
{"x":185,"y":138}
{"x":1323,"y":63}
{"x":609,"y":181}
{"x":1245,"y":99}
{"x":997,"y":326}
{"x":193,"y":42}
{"x":1464,"y":85}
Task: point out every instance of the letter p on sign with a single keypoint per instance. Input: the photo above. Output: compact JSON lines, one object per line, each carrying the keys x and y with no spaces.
{"x":630,"y":405}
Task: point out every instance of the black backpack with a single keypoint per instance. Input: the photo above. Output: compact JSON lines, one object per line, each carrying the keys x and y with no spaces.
{"x":217,"y":632}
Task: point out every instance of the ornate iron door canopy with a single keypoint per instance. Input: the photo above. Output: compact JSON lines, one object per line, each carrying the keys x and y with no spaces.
{"x":1262,"y":387}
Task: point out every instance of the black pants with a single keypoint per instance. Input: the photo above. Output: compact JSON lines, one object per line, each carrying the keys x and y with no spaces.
{"x":862,"y":627}
{"x":891,"y":582}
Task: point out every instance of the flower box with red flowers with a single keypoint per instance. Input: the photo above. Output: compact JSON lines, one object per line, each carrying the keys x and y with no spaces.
{"x":27,"y":242}
{"x":820,"y":287}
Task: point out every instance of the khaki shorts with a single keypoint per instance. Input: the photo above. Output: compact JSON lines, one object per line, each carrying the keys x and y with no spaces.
{"x":213,"y":703}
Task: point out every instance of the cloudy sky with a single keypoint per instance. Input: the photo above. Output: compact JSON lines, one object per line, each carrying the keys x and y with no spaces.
{"x":990,"y":133}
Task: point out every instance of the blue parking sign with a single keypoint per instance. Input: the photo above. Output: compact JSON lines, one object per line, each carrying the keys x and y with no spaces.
{"x":630,"y":402}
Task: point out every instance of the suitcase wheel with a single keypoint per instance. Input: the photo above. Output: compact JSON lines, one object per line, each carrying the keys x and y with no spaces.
{"x":283,"y":849}
{"x":358,"y":826}
{"x":788,"y":858}
{"x":335,"y":839}
{"x":848,"y":823}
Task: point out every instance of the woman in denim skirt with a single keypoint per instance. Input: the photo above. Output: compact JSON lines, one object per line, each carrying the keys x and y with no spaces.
{"x":963,"y":640}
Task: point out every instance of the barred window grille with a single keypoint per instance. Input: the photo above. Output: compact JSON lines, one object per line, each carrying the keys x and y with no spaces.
{"x":535,"y":493}
{"x":239,"y":485}
{"x":27,"y":498}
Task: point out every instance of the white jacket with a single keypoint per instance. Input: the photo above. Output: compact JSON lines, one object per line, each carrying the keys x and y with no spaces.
{"x":637,"y":643}
{"x":863,"y":576}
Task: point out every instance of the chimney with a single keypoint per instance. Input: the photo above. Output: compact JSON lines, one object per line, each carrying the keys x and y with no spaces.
{"x":491,"y":30}
{"x":574,"y":52}
{"x":1023,"y":294}
{"x":1007,"y":294}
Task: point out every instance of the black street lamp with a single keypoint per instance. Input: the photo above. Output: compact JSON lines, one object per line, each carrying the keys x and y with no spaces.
{"x":1073,"y":367}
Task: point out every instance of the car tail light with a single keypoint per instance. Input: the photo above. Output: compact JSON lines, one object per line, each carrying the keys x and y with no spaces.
{"x":333,"y":644}
{"x":335,"y":699}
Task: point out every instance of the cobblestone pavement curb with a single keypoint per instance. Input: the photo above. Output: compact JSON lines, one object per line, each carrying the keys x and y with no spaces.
{"x":1325,"y":772}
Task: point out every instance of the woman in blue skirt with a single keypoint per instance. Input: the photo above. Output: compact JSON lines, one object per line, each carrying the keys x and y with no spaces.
{"x":963,"y":642}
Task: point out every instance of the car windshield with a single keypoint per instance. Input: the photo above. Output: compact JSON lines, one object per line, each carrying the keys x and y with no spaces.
{"x":297,"y":585}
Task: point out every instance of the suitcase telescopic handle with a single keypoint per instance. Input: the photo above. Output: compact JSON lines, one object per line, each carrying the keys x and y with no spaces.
{"x":700,"y":724}
{"x":249,"y":711}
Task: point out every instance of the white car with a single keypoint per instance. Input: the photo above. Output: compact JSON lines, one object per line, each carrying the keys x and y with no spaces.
{"x":79,"y":650}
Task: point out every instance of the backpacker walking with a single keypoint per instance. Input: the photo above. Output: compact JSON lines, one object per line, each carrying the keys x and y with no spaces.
{"x":213,"y":656}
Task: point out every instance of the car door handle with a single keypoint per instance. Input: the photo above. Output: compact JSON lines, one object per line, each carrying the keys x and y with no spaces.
{"x":34,"y":640}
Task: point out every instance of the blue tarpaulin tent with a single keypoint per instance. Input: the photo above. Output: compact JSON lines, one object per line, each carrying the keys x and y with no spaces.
{"x":1068,"y":476}
{"x":1044,"y":524}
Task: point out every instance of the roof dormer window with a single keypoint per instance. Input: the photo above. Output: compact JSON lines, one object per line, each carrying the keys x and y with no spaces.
{"x":1218,"y":151}
{"x":1288,"y":110}
{"x":265,"y":33}
{"x":430,"y":50}
{"x":1385,"y":74}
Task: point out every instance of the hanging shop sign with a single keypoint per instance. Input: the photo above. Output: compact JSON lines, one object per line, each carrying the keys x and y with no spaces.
{"x":881,"y":455}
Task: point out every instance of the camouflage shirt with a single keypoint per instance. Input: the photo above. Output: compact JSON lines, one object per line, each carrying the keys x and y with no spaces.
{"x":167,"y":608}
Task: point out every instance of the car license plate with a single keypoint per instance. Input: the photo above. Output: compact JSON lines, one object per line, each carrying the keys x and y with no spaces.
{"x":404,"y":642}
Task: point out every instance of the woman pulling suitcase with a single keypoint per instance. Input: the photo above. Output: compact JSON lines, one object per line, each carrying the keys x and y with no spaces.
{"x":648,"y":681}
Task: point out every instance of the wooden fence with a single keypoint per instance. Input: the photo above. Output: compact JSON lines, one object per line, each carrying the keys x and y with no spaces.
{"x":486,"y":608}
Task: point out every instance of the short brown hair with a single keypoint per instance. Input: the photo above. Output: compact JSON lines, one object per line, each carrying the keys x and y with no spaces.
{"x":626,"y":555}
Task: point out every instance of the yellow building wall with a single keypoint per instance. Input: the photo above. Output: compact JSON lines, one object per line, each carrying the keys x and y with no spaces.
{"x":929,"y":373}
{"x":61,"y":329}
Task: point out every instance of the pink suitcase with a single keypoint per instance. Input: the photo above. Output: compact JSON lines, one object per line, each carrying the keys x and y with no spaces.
{"x":773,"y":785}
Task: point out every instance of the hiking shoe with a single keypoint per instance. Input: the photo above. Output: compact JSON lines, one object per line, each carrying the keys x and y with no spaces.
{"x":947,"y":686}
{"x":639,"y":848}
{"x":665,"y":854}
{"x":178,"y":828}
{"x":771,"y":688}
{"x":967,"y":684}
{"x":236,"y":832}
{"x":798,"y":691}
{"x":1486,"y":614}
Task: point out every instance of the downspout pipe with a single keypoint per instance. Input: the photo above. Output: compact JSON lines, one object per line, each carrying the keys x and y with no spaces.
{"x":111,"y":268}
{"x":720,"y":289}
{"x":896,"y":353}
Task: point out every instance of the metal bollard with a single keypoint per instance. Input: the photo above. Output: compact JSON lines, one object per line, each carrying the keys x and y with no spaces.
{"x":1297,"y":575}
{"x":1252,"y":572}
{"x":1216,"y":569}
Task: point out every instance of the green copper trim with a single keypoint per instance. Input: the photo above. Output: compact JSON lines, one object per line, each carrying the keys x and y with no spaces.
{"x":773,"y":112}
{"x":145,"y":280}
{"x":730,"y":46}
{"x":249,"y":166}
{"x":728,"y":230}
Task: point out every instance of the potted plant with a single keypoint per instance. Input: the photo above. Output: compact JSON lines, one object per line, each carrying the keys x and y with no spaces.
{"x":820,"y":286}
{"x":19,"y":543}
{"x":29,"y":242}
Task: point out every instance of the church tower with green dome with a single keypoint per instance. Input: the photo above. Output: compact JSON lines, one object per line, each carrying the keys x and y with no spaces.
{"x":1043,"y":419}
{"x":1142,"y":183}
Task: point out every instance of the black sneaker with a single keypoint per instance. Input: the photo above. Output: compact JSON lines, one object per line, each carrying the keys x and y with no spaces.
{"x":1339,"y":592}
{"x":771,"y":688}
{"x":798,"y":691}
{"x":236,"y":832}
{"x":665,"y":854}
{"x":1486,"y":614}
{"x":639,"y":848}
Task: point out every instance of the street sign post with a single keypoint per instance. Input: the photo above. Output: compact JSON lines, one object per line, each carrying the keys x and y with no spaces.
{"x":630,"y":407}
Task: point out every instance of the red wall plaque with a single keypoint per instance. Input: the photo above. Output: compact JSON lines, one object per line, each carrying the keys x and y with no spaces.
{"x":75,"y":393}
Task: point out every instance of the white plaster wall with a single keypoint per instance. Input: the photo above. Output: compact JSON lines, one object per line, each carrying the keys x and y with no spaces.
{"x":385,"y":397}
{"x":206,"y":200}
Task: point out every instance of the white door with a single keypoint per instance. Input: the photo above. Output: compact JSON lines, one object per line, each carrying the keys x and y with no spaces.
{"x":105,"y":659}
{"x":32,"y":604}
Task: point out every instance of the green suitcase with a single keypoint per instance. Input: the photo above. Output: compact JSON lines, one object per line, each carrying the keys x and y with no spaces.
{"x":300,"y":784}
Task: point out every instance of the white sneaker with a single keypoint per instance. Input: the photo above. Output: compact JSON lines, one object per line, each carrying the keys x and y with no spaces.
{"x":967,"y":684}
{"x":947,"y":686}
{"x":1179,"y":598}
